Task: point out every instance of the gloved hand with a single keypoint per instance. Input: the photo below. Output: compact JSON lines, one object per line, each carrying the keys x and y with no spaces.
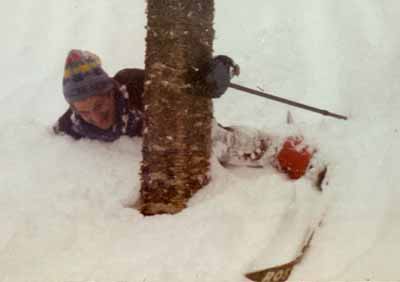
{"x":218,"y":74}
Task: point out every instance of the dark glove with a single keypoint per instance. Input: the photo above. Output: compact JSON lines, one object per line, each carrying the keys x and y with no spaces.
{"x":218,"y":74}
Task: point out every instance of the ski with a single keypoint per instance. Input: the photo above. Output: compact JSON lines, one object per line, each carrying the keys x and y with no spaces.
{"x":282,"y":272}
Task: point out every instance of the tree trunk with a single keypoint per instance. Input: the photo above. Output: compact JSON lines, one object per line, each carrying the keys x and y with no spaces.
{"x":177,"y":134}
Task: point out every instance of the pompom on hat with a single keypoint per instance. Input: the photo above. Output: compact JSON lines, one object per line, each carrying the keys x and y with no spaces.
{"x":84,"y":76}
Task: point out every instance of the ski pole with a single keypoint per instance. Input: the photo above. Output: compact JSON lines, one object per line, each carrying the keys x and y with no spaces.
{"x":286,"y":101}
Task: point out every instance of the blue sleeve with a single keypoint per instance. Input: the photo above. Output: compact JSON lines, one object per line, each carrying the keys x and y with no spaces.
{"x":64,"y":126}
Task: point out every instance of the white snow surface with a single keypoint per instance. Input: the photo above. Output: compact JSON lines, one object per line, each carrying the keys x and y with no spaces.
{"x":62,"y":202}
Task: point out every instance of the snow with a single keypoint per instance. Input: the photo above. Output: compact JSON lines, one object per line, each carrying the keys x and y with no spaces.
{"x":63,"y":203}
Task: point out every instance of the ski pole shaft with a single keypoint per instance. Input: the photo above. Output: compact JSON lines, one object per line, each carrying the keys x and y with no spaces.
{"x":285,"y":101}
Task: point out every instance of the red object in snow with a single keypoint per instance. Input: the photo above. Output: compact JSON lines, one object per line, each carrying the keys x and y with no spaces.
{"x":293,"y":158}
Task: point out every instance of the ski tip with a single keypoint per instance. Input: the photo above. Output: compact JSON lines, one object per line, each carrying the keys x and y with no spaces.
{"x":289,"y":118}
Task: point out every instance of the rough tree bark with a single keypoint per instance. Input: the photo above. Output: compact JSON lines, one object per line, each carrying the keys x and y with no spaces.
{"x":177,"y":134}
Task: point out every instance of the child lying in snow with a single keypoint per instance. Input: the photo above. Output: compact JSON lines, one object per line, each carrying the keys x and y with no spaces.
{"x":106,"y":108}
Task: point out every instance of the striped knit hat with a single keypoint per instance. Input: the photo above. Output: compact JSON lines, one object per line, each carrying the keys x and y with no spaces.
{"x":84,"y":76}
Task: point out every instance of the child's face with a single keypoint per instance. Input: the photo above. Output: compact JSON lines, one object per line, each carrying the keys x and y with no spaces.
{"x":97,"y":110}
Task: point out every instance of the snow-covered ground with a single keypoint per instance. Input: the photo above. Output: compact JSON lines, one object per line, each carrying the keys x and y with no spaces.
{"x":62,"y":211}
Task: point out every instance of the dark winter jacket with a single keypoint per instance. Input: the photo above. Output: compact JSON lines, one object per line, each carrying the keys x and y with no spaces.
{"x":231,"y":144}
